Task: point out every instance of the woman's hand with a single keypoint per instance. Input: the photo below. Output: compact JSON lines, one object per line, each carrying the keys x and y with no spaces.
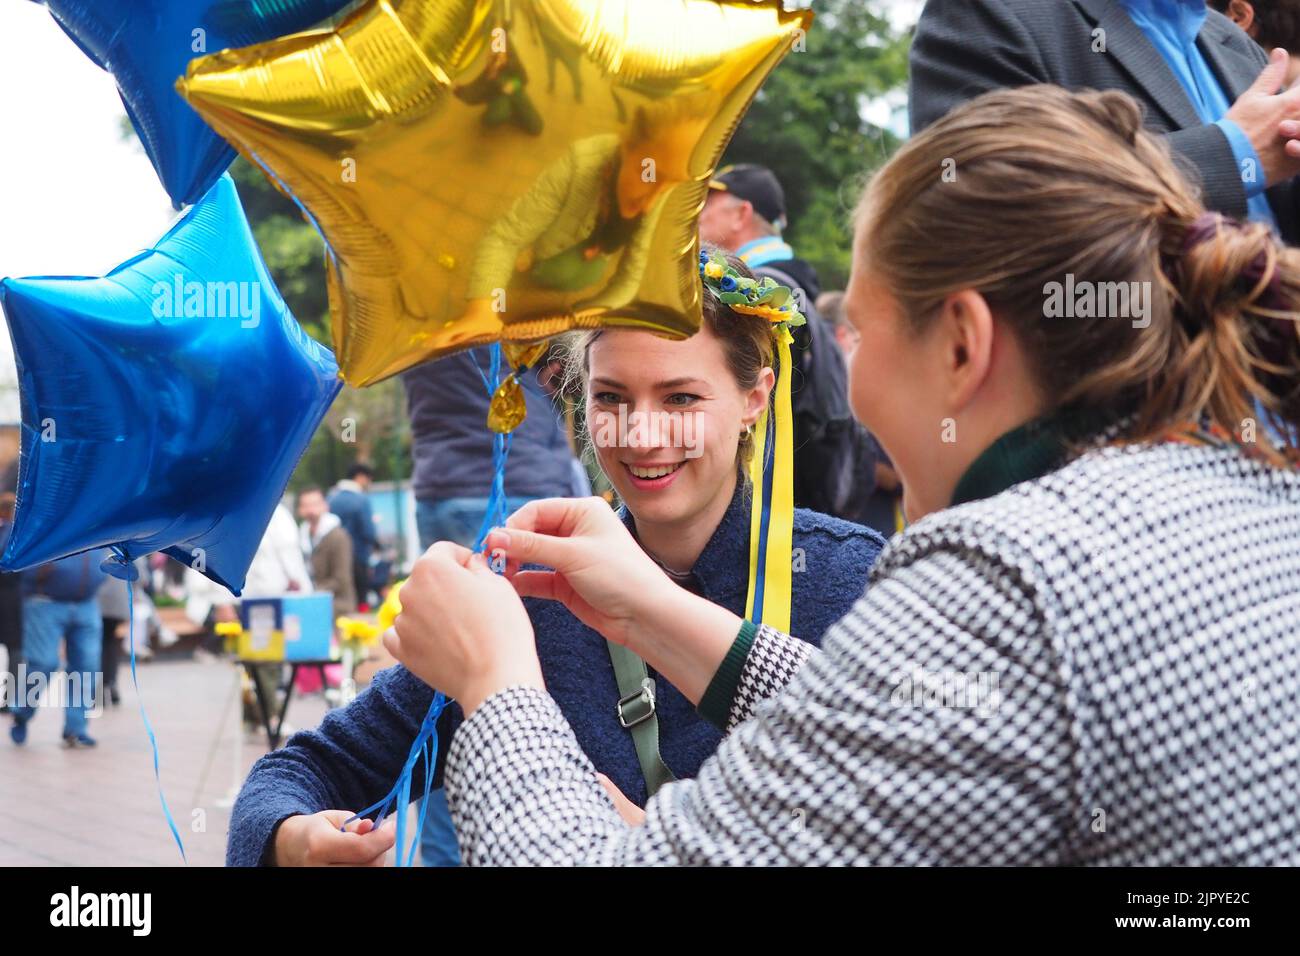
{"x":601,"y":574}
{"x":317,"y":840}
{"x":604,"y":578}
{"x":463,"y":629}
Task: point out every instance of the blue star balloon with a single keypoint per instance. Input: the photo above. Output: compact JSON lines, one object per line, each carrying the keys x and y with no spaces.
{"x":164,"y":405}
{"x":146,"y":45}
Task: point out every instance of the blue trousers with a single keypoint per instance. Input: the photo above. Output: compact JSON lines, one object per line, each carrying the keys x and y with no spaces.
{"x":458,"y":520}
{"x":45,"y":624}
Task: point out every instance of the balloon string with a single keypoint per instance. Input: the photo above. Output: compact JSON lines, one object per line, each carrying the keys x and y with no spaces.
{"x":153,"y":740}
{"x":495,"y":514}
{"x":425,"y":744}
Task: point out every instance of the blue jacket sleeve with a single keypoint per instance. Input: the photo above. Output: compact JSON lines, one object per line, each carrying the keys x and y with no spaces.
{"x":348,"y":763}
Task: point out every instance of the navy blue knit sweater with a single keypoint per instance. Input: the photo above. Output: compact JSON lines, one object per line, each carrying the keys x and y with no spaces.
{"x":354,"y":757}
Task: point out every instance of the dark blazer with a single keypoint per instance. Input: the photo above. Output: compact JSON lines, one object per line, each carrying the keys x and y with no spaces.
{"x":963,"y":48}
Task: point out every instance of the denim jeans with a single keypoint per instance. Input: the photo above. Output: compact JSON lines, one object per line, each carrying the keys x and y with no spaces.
{"x":45,"y":624}
{"x":455,"y":519}
{"x":458,"y":520}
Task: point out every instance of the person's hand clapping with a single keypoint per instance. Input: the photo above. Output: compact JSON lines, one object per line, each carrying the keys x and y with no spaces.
{"x":463,"y":629}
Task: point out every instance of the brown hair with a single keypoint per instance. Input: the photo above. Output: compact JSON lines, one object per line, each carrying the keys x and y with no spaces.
{"x":747,"y":342}
{"x":1018,"y":189}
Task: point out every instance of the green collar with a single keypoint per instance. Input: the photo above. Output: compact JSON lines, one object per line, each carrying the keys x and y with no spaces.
{"x":1034,"y":449}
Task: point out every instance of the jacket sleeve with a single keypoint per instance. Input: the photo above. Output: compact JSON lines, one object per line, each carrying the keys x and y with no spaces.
{"x":773,"y":660}
{"x":762,"y":660}
{"x":962,"y":49}
{"x":1206,"y":158}
{"x":842,"y":765}
{"x":351,"y":761}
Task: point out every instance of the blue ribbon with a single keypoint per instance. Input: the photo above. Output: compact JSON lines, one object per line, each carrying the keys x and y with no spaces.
{"x":426,"y":741}
{"x":128,"y":576}
{"x":769,"y":472}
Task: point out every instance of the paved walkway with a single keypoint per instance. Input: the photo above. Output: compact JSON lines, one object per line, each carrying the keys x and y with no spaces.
{"x":100,"y":807}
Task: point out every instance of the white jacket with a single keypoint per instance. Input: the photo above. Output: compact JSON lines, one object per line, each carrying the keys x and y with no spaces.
{"x":277,"y":564}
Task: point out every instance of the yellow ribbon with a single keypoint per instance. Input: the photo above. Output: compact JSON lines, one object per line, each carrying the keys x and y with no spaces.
{"x":777,"y":558}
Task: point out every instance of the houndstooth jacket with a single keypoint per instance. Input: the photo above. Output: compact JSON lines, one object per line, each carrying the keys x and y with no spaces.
{"x":1099,"y":666}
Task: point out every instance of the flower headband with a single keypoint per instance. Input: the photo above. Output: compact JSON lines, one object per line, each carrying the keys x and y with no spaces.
{"x":763,"y":297}
{"x":771,"y":466}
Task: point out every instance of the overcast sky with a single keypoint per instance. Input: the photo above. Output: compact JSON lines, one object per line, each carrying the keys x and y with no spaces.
{"x":75,"y":198}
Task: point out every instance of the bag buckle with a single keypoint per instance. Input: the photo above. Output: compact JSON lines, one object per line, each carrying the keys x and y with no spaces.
{"x":645,"y":698}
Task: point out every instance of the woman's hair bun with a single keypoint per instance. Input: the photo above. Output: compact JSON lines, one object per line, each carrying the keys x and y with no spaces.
{"x":1115,"y":111}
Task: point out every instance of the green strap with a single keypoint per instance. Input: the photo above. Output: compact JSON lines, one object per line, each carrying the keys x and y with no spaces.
{"x":636,"y":712}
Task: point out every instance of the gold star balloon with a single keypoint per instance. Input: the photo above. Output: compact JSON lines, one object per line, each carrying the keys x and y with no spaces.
{"x":499,"y":170}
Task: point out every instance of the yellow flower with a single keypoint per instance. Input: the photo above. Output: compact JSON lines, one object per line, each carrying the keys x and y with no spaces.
{"x":714,"y":270}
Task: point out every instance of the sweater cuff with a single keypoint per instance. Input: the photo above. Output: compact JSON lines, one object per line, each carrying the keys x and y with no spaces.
{"x":268,"y":849}
{"x":255,"y":820}
{"x":715,"y":705}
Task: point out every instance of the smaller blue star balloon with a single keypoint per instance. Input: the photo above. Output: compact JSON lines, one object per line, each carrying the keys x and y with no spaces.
{"x":165,"y":405}
{"x":147,"y":44}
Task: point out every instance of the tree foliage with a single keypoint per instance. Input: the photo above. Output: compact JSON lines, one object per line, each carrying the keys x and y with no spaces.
{"x":807,"y":124}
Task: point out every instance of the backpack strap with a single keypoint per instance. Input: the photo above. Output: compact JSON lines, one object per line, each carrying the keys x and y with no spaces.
{"x":781,"y":276}
{"x":636,"y":714}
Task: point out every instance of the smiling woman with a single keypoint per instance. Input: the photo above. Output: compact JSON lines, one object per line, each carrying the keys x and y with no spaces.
{"x":719,"y":381}
{"x":670,"y":421}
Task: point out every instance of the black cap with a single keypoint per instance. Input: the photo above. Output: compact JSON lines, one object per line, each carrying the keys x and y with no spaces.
{"x":756,"y":185}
